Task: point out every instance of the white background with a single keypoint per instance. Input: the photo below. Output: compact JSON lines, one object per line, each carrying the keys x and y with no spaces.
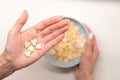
{"x":103,"y":17}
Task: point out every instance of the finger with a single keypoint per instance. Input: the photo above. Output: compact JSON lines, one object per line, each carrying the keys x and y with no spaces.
{"x":77,"y":73}
{"x":87,"y":28}
{"x":55,"y":34}
{"x":21,"y":21}
{"x":29,"y":34}
{"x":95,"y":48}
{"x":43,"y":24}
{"x":54,"y":27}
{"x":54,"y":42}
{"x":89,"y":43}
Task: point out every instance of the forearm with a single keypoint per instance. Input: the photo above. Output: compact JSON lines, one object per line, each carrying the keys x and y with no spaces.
{"x":6,"y":67}
{"x":84,"y":76}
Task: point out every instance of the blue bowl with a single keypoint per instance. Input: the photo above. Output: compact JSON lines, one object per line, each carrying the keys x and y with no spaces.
{"x":74,"y":62}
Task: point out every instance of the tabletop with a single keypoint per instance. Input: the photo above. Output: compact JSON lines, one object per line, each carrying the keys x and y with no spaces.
{"x":103,"y":17}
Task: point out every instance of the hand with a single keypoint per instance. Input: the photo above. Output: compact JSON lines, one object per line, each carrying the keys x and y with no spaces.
{"x":48,"y":32}
{"x":87,"y":61}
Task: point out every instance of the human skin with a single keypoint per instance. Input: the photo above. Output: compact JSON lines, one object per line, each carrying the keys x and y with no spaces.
{"x":84,"y":71}
{"x":48,"y":32}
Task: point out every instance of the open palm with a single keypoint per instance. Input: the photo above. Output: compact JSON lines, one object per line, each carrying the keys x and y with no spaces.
{"x":48,"y":32}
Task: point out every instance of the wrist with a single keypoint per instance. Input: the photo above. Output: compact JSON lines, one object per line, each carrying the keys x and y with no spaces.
{"x":6,"y":67}
{"x":86,"y":76}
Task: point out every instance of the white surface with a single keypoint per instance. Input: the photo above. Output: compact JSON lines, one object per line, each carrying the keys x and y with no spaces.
{"x":102,"y":17}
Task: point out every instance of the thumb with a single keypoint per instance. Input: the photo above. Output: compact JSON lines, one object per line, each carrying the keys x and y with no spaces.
{"x":21,"y":21}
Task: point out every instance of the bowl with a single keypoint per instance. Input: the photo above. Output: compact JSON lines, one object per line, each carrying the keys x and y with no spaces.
{"x":74,"y":62}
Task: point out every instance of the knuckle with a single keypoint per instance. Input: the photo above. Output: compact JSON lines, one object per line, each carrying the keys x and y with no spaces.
{"x":11,"y":32}
{"x":65,"y":21}
{"x":55,"y":18}
{"x":49,"y":30}
{"x":88,"y":43}
{"x":97,"y":52}
{"x":53,"y":36}
{"x":43,"y":23}
{"x":58,"y":32}
{"x":87,"y":55}
{"x":21,"y":22}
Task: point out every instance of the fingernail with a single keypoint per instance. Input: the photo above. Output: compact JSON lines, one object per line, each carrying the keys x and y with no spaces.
{"x":91,"y":35}
{"x":68,"y":21}
{"x":24,"y":11}
{"x":61,"y":17}
{"x":64,"y":17}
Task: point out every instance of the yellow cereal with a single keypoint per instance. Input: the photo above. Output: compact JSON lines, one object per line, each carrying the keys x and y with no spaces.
{"x":65,"y":55}
{"x":66,"y":60}
{"x":70,"y":57}
{"x":60,"y":59}
{"x":82,"y":50}
{"x":78,"y":55}
{"x":74,"y":55}
{"x":67,"y":50}
{"x":52,"y":52}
